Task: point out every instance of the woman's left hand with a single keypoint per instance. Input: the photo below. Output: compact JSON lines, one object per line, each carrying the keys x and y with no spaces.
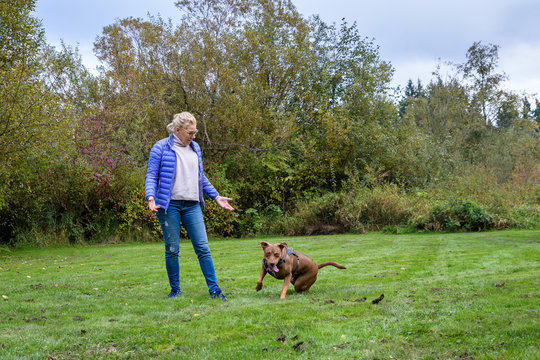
{"x":224,"y":202}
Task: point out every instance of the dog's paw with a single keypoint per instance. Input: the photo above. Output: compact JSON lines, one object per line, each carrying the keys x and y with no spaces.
{"x":258,"y":287}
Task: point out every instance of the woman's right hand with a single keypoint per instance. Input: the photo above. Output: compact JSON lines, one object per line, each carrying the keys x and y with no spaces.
{"x":152,"y":204}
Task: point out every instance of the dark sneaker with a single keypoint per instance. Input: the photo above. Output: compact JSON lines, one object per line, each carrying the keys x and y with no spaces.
{"x":175,"y":293}
{"x":218,"y":295}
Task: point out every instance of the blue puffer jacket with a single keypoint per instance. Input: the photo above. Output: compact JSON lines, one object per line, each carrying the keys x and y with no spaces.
{"x":162,"y":168}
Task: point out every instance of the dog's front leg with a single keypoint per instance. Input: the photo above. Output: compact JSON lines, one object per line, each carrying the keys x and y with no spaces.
{"x":286,"y":284}
{"x":259,"y":282}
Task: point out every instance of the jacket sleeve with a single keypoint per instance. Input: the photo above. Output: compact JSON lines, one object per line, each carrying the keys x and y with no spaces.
{"x":207,"y":186}
{"x":152,"y":172}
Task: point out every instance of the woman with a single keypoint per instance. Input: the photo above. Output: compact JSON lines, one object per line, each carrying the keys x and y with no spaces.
{"x":174,"y":187}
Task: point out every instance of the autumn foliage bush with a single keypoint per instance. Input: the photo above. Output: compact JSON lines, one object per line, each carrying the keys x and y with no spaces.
{"x":358,"y":209}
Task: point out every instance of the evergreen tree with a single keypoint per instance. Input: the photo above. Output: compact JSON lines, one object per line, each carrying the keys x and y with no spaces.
{"x":536,"y":112}
{"x":507,"y":114}
{"x":526,"y":112}
{"x":411,"y":93}
{"x":420,"y":92}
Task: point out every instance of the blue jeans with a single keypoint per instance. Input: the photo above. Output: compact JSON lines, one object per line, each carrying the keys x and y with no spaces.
{"x":189,"y":214}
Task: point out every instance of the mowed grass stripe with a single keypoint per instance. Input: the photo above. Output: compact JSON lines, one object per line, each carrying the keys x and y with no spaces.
{"x":472,"y":295}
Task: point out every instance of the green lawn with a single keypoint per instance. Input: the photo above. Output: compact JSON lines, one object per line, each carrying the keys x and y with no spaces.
{"x":446,"y":296}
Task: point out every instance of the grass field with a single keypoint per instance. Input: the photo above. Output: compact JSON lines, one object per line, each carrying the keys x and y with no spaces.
{"x":446,"y":296}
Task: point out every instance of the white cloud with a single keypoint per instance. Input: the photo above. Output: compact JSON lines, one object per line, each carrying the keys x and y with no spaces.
{"x":422,"y":69}
{"x":413,"y":69}
{"x":520,"y":63}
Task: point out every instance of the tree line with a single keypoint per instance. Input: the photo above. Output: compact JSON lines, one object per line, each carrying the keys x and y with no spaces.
{"x":290,"y":110}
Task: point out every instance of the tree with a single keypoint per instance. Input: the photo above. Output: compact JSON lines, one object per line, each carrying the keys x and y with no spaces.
{"x":25,"y":102}
{"x":410,"y":94}
{"x":526,"y":111}
{"x":235,"y":65}
{"x":508,"y":113}
{"x":479,"y":70}
{"x":43,"y":94}
{"x":26,"y":105}
{"x":536,"y":112}
{"x":238,"y":66}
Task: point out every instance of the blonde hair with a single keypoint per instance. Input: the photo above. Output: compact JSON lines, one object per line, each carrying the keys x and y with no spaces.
{"x":183,"y":120}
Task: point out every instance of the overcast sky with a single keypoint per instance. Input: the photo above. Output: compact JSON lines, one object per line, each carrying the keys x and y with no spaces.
{"x":413,"y":35}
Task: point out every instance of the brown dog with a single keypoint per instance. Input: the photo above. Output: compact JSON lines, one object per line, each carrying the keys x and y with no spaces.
{"x":282,"y":262}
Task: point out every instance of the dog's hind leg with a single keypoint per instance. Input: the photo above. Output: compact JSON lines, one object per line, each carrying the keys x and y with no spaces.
{"x":304,"y":282}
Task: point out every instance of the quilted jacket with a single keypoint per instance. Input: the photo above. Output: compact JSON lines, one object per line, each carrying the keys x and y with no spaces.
{"x":162,"y":168}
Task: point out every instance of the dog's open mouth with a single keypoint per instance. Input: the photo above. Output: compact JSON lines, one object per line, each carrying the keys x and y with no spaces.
{"x":273,"y":268}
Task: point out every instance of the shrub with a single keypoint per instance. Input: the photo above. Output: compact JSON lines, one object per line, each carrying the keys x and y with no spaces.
{"x":373,"y":208}
{"x":252,"y":224}
{"x":137,"y":219}
{"x":456,"y":215}
{"x":221,"y":222}
{"x":359,"y":209}
{"x":316,"y":216}
{"x":525,"y":217}
{"x":512,"y":202}
{"x":272,"y":220}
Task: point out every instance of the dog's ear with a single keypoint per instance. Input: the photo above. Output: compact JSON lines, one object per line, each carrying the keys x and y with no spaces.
{"x":283,"y":245}
{"x":264,"y":244}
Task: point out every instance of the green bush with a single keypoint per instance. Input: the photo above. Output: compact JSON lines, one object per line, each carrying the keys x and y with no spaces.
{"x":456,"y":215}
{"x":225,"y":223}
{"x":252,"y":224}
{"x":272,"y":220}
{"x":525,"y":217}
{"x":137,"y":219}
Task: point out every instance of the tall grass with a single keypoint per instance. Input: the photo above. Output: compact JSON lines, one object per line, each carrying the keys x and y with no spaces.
{"x":472,"y":200}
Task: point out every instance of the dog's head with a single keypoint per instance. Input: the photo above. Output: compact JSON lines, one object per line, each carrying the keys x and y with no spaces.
{"x":273,"y":253}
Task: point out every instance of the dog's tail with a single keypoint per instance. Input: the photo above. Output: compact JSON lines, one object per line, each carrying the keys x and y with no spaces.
{"x":331,"y":263}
